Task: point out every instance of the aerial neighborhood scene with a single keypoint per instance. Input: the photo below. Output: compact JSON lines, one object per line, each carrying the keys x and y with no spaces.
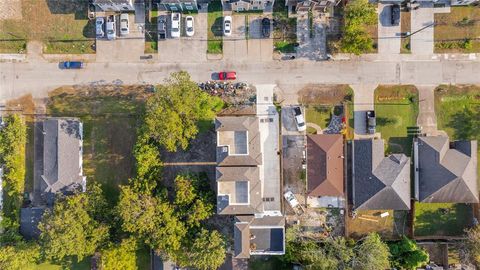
{"x":239,"y":134}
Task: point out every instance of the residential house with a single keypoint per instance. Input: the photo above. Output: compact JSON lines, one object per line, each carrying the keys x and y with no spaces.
{"x":248,"y":179}
{"x":247,"y":5}
{"x":325,"y":170}
{"x":379,"y":182}
{"x":61,"y":168}
{"x":178,"y":5}
{"x":445,"y":172}
{"x":115,"y":5}
{"x":307,"y":5}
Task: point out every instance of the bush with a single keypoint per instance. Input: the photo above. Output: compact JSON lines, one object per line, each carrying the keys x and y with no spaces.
{"x":467,"y":44}
{"x":358,"y":14}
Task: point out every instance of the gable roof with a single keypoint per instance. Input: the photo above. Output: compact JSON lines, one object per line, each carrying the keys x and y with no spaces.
{"x":244,"y":127}
{"x":379,"y":182}
{"x":62,"y":156}
{"x":447,"y":173}
{"x":325,"y":165}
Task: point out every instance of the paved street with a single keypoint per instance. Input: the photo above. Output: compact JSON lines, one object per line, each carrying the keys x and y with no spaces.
{"x":38,"y":77}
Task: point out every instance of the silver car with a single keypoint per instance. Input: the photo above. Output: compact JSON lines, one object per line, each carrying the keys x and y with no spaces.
{"x":99,"y":22}
{"x":124,"y":24}
{"x":111,"y":27}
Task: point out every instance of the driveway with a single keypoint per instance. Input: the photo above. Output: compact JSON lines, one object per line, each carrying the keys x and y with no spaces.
{"x":388,"y":34}
{"x":422,"y":20}
{"x":122,"y":49}
{"x":186,"y":49}
{"x":314,"y":47}
{"x":363,"y":102}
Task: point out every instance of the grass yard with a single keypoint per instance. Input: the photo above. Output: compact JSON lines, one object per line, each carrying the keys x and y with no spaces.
{"x":110,"y":118}
{"x":441,"y":219}
{"x":405,"y":25}
{"x":456,"y":108}
{"x":215,"y":28}
{"x":285,"y":30}
{"x":396,"y":108}
{"x":267,"y":262}
{"x":458,"y":31}
{"x":366,"y":221}
{"x":318,"y":114}
{"x":62,"y":25}
{"x":151,"y":36}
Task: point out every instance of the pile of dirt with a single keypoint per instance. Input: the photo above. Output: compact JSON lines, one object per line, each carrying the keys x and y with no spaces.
{"x":324,"y":94}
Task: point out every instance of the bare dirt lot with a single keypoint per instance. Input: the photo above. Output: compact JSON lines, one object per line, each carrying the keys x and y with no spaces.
{"x":323,"y":94}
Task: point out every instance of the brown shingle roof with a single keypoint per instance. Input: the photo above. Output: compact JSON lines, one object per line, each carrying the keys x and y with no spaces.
{"x":325,"y":165}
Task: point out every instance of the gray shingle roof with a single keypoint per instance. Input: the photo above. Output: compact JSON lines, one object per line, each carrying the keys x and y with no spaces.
{"x":62,"y":156}
{"x":447,"y":173}
{"x":380,"y":182}
{"x":228,"y":128}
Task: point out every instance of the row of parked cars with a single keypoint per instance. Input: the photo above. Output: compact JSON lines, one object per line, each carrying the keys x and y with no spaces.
{"x":175,"y":26}
{"x":106,"y":26}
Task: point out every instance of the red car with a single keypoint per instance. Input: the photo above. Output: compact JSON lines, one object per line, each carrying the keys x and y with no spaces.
{"x":227,"y":75}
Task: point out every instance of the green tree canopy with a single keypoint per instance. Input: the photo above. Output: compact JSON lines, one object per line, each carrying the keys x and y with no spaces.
{"x":21,"y":256}
{"x":69,"y":230}
{"x":407,"y":255}
{"x":358,"y":14}
{"x":471,"y":245}
{"x":207,"y":251}
{"x":152,"y":220}
{"x":173,"y":112}
{"x":372,"y":253}
{"x":119,"y":256}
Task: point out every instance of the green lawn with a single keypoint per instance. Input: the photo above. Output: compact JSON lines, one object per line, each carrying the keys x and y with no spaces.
{"x":151,"y":37}
{"x":267,"y":262}
{"x":63,"y":26}
{"x":109,"y":120}
{"x":458,"y":30}
{"x":405,"y":27}
{"x":441,"y":219}
{"x":215,"y":27}
{"x":396,"y":108}
{"x":457,"y":109}
{"x":318,"y":114}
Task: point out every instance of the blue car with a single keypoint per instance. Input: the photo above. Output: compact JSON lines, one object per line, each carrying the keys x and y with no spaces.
{"x":71,"y":65}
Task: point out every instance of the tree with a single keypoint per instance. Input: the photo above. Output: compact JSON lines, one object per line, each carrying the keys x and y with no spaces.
{"x":152,"y":220}
{"x":173,"y":112}
{"x":207,"y":251}
{"x":471,"y":245}
{"x":69,"y":230}
{"x":119,"y":256}
{"x":21,"y":256}
{"x":358,"y":14}
{"x":372,"y":253}
{"x":407,"y":255}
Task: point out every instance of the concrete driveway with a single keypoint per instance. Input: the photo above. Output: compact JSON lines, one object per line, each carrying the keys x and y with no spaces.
{"x":255,"y":48}
{"x":422,"y":19}
{"x":186,"y":49}
{"x":363,"y":102}
{"x":124,"y":48}
{"x":311,"y":48}
{"x":388,"y":35}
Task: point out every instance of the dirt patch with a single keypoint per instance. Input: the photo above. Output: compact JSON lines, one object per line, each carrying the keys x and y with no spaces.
{"x":438,"y":253}
{"x":25,"y":104}
{"x":324,"y":94}
{"x":10,"y":10}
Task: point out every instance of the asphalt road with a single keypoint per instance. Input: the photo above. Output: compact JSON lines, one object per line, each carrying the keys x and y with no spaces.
{"x":37,"y":78}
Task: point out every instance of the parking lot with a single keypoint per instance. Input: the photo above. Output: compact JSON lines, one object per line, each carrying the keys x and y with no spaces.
{"x":246,"y":41}
{"x":389,"y":35}
{"x":123,"y":48}
{"x":186,"y":49}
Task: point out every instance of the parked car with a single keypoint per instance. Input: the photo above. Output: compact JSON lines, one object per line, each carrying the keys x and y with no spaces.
{"x":124,"y":24}
{"x":290,"y":197}
{"x":395,"y":15}
{"x":371,"y":122}
{"x":227,"y":75}
{"x":189,"y":29}
{"x":99,"y":23}
{"x":162,"y":27}
{"x":71,"y":65}
{"x":175,"y":30}
{"x":111,"y":27}
{"x":266,"y":27}
{"x":299,"y":119}
{"x":227,"y":26}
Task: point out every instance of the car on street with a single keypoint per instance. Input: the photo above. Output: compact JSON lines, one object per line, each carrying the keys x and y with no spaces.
{"x":290,"y":197}
{"x":227,"y":75}
{"x":371,"y":122}
{"x":299,"y":119}
{"x":71,"y":65}
{"x":99,"y":23}
{"x":111,"y":28}
{"x":175,"y":30}
{"x":189,"y":29}
{"x":395,"y":15}
{"x":162,"y":27}
{"x":227,"y":26}
{"x":124,"y":24}
{"x":266,"y":27}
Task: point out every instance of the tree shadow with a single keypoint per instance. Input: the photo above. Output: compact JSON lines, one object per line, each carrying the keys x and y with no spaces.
{"x":217,"y":27}
{"x":383,"y":121}
{"x":77,"y":7}
{"x":465,"y":123}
